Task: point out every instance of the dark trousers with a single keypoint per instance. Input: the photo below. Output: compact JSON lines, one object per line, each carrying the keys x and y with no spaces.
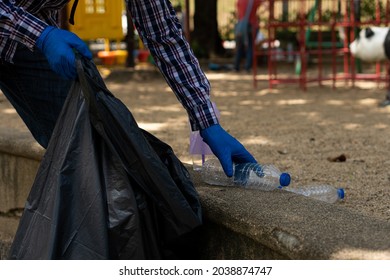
{"x":35,"y":91}
{"x":244,"y":50}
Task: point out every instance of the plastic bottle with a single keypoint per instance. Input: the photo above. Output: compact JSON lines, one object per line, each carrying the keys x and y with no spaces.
{"x":324,"y":192}
{"x":247,"y":175}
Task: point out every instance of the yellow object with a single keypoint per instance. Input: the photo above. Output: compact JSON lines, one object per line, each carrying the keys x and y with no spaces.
{"x":120,"y":56}
{"x":96,"y":19}
{"x":117,"y":57}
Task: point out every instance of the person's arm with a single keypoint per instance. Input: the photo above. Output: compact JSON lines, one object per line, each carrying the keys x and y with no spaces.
{"x":57,"y":45}
{"x":161,"y":32}
{"x":18,"y":25}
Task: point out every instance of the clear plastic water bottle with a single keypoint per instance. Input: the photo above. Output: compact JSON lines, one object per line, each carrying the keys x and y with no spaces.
{"x":247,"y":175}
{"x":323,"y":192}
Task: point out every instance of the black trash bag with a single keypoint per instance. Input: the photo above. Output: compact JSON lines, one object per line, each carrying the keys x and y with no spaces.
{"x":106,"y":189}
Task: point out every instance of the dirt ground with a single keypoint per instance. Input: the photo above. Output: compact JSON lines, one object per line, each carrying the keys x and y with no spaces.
{"x":320,"y":136}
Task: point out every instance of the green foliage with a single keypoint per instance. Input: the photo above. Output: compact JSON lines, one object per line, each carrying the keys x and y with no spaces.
{"x":227,"y":31}
{"x":328,"y":16}
{"x":176,"y":3}
{"x":368,"y":10}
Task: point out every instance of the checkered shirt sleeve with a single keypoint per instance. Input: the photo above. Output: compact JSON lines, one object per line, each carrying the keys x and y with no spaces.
{"x":17,"y":26}
{"x":162,"y":34}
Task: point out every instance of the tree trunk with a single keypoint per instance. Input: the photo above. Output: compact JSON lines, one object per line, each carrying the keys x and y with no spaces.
{"x":129,"y":41}
{"x":206,"y":39}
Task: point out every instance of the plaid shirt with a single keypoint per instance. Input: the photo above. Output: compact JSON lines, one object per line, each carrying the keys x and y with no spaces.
{"x":22,"y":21}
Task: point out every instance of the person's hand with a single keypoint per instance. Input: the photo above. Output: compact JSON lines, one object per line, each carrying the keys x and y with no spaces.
{"x":59,"y":47}
{"x":226,"y":148}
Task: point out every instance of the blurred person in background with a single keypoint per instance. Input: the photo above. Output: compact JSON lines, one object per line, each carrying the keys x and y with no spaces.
{"x":245,"y":32}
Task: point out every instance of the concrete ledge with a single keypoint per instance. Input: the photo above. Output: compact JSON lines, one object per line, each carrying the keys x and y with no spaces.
{"x":20,"y":157}
{"x":8,"y":226}
{"x":239,"y":224}
{"x":287,"y":226}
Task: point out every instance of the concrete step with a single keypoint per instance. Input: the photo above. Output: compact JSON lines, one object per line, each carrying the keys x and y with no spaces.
{"x":8,"y":226}
{"x":20,"y":157}
{"x":239,"y":224}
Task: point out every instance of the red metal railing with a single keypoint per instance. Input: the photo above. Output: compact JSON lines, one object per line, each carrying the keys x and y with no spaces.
{"x":333,"y":61}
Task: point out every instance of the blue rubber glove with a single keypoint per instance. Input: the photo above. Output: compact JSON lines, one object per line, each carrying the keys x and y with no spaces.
{"x":226,"y":148}
{"x":58,"y":46}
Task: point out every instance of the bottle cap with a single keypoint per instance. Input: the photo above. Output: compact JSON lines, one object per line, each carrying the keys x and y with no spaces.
{"x":285,"y":179}
{"x":340,"y":193}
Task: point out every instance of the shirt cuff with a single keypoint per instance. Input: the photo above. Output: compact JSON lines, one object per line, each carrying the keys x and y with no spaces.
{"x":203,"y":116}
{"x":27,"y":30}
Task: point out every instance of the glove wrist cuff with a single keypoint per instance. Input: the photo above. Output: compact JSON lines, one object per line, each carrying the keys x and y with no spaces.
{"x":41,"y":39}
{"x":215,"y":128}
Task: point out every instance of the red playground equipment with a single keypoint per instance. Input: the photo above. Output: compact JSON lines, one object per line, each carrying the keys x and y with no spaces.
{"x":313,"y":38}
